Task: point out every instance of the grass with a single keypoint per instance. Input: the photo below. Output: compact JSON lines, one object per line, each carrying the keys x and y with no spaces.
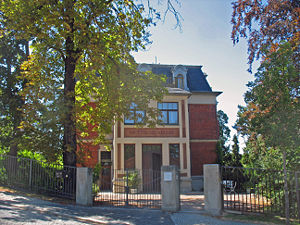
{"x":259,"y":218}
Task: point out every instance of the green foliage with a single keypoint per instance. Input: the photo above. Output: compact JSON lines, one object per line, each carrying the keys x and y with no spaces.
{"x":12,"y":54}
{"x":81,"y":53}
{"x":96,"y":172}
{"x":271,"y":117}
{"x":223,"y":152}
{"x":95,"y":189}
{"x":96,"y":175}
{"x":235,"y":155}
{"x":133,"y":180}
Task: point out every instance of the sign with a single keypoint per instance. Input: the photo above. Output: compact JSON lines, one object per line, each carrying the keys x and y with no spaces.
{"x":167,"y":176}
{"x":151,"y":132}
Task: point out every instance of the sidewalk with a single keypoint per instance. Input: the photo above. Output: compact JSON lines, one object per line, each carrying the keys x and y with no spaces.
{"x":20,"y":209}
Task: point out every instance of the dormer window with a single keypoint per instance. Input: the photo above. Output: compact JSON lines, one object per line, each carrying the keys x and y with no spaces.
{"x":179,"y":81}
{"x":179,"y":74}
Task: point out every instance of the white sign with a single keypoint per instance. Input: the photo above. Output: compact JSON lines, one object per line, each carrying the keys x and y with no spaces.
{"x":167,"y":176}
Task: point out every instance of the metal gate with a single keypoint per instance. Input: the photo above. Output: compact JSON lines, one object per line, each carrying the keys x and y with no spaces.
{"x":259,"y":190}
{"x":128,"y":188}
{"x":41,"y":177}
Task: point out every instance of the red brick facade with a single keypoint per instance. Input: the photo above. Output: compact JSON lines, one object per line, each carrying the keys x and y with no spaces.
{"x":202,"y":153}
{"x":203,"y":136}
{"x":203,"y":121}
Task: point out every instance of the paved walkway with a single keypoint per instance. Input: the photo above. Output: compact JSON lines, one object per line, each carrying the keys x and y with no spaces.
{"x":192,"y":202}
{"x":21,"y":209}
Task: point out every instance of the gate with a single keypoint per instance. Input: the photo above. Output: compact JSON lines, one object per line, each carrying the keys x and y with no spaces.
{"x":259,"y":190}
{"x":129,"y":188}
{"x":33,"y":175}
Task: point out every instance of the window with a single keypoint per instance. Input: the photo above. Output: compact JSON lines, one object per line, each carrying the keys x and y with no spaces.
{"x":169,"y":112}
{"x":174,"y":154}
{"x":129,"y":156}
{"x":179,"y":82}
{"x":137,"y":116}
{"x":105,"y":156}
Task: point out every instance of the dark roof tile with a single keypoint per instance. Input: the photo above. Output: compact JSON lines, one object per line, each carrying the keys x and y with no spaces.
{"x":196,"y":80}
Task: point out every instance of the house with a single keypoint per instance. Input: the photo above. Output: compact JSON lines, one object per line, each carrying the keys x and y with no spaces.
{"x":187,"y":138}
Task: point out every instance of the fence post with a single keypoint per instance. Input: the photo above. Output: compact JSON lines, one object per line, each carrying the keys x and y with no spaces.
{"x":30,"y":174}
{"x":213,"y":189}
{"x":297,"y":193}
{"x":170,"y":193}
{"x":84,"y":186}
{"x":126,"y":188}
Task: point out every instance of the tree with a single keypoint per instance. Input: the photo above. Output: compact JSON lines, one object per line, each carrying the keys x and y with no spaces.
{"x":12,"y":53}
{"x":265,"y":24}
{"x":236,"y":156}
{"x":92,"y":40}
{"x":272,"y":114}
{"x":272,"y":110}
{"x":224,"y":135}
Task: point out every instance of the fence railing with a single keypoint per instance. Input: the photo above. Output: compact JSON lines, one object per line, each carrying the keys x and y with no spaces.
{"x":33,"y":175}
{"x":135,"y":188}
{"x":258,"y":191}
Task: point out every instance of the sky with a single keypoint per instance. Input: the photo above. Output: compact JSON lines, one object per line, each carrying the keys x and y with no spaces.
{"x":204,"y":40}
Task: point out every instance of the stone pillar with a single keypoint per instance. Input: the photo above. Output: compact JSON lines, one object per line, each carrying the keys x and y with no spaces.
{"x":84,"y":183}
{"x":213,"y":189}
{"x":170,"y":193}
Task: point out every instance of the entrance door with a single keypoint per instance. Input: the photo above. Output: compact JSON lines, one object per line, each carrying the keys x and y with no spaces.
{"x":105,"y":175}
{"x":152,"y":161}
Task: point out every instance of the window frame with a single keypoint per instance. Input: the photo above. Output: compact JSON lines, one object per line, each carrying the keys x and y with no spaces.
{"x":179,"y":81}
{"x":133,"y":111}
{"x":168,"y":113}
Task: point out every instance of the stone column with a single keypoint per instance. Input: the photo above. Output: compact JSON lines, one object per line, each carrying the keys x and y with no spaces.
{"x":84,"y":183}
{"x":213,"y":189}
{"x":170,"y":193}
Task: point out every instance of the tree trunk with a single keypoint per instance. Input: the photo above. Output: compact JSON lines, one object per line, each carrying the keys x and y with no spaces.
{"x":69,"y":121}
{"x":286,"y":191}
{"x":69,"y":144}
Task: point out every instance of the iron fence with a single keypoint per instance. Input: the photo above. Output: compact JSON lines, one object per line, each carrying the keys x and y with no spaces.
{"x":128,"y":188}
{"x":33,"y":175}
{"x":297,"y":189}
{"x":258,"y":191}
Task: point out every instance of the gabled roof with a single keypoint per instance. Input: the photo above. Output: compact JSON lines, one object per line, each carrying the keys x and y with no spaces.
{"x":196,"y":80}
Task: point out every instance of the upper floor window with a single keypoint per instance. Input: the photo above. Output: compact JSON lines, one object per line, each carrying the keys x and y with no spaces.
{"x":169,"y":112}
{"x":179,"y":81}
{"x":136,"y":115}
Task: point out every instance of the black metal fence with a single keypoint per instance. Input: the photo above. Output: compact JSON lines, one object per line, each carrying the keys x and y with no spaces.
{"x":128,"y":188}
{"x":33,"y":175}
{"x":259,"y":191}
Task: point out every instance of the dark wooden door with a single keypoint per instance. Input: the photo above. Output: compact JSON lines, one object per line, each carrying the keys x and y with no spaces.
{"x":152,"y":161}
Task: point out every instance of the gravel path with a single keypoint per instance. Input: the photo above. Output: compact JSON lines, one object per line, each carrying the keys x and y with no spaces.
{"x":21,"y":209}
{"x":16,"y":209}
{"x":200,"y":219}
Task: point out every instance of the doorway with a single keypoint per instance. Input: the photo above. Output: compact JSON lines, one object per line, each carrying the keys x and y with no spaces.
{"x":152,"y":162}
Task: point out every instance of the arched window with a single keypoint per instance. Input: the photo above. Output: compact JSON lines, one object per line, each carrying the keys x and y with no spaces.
{"x":179,"y":81}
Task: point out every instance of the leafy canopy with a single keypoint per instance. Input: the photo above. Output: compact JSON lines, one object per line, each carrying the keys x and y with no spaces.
{"x":81,"y":49}
{"x":272,"y":116}
{"x":265,"y":24}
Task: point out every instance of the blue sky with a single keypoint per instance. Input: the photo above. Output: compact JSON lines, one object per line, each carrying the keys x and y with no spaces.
{"x":204,"y":40}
